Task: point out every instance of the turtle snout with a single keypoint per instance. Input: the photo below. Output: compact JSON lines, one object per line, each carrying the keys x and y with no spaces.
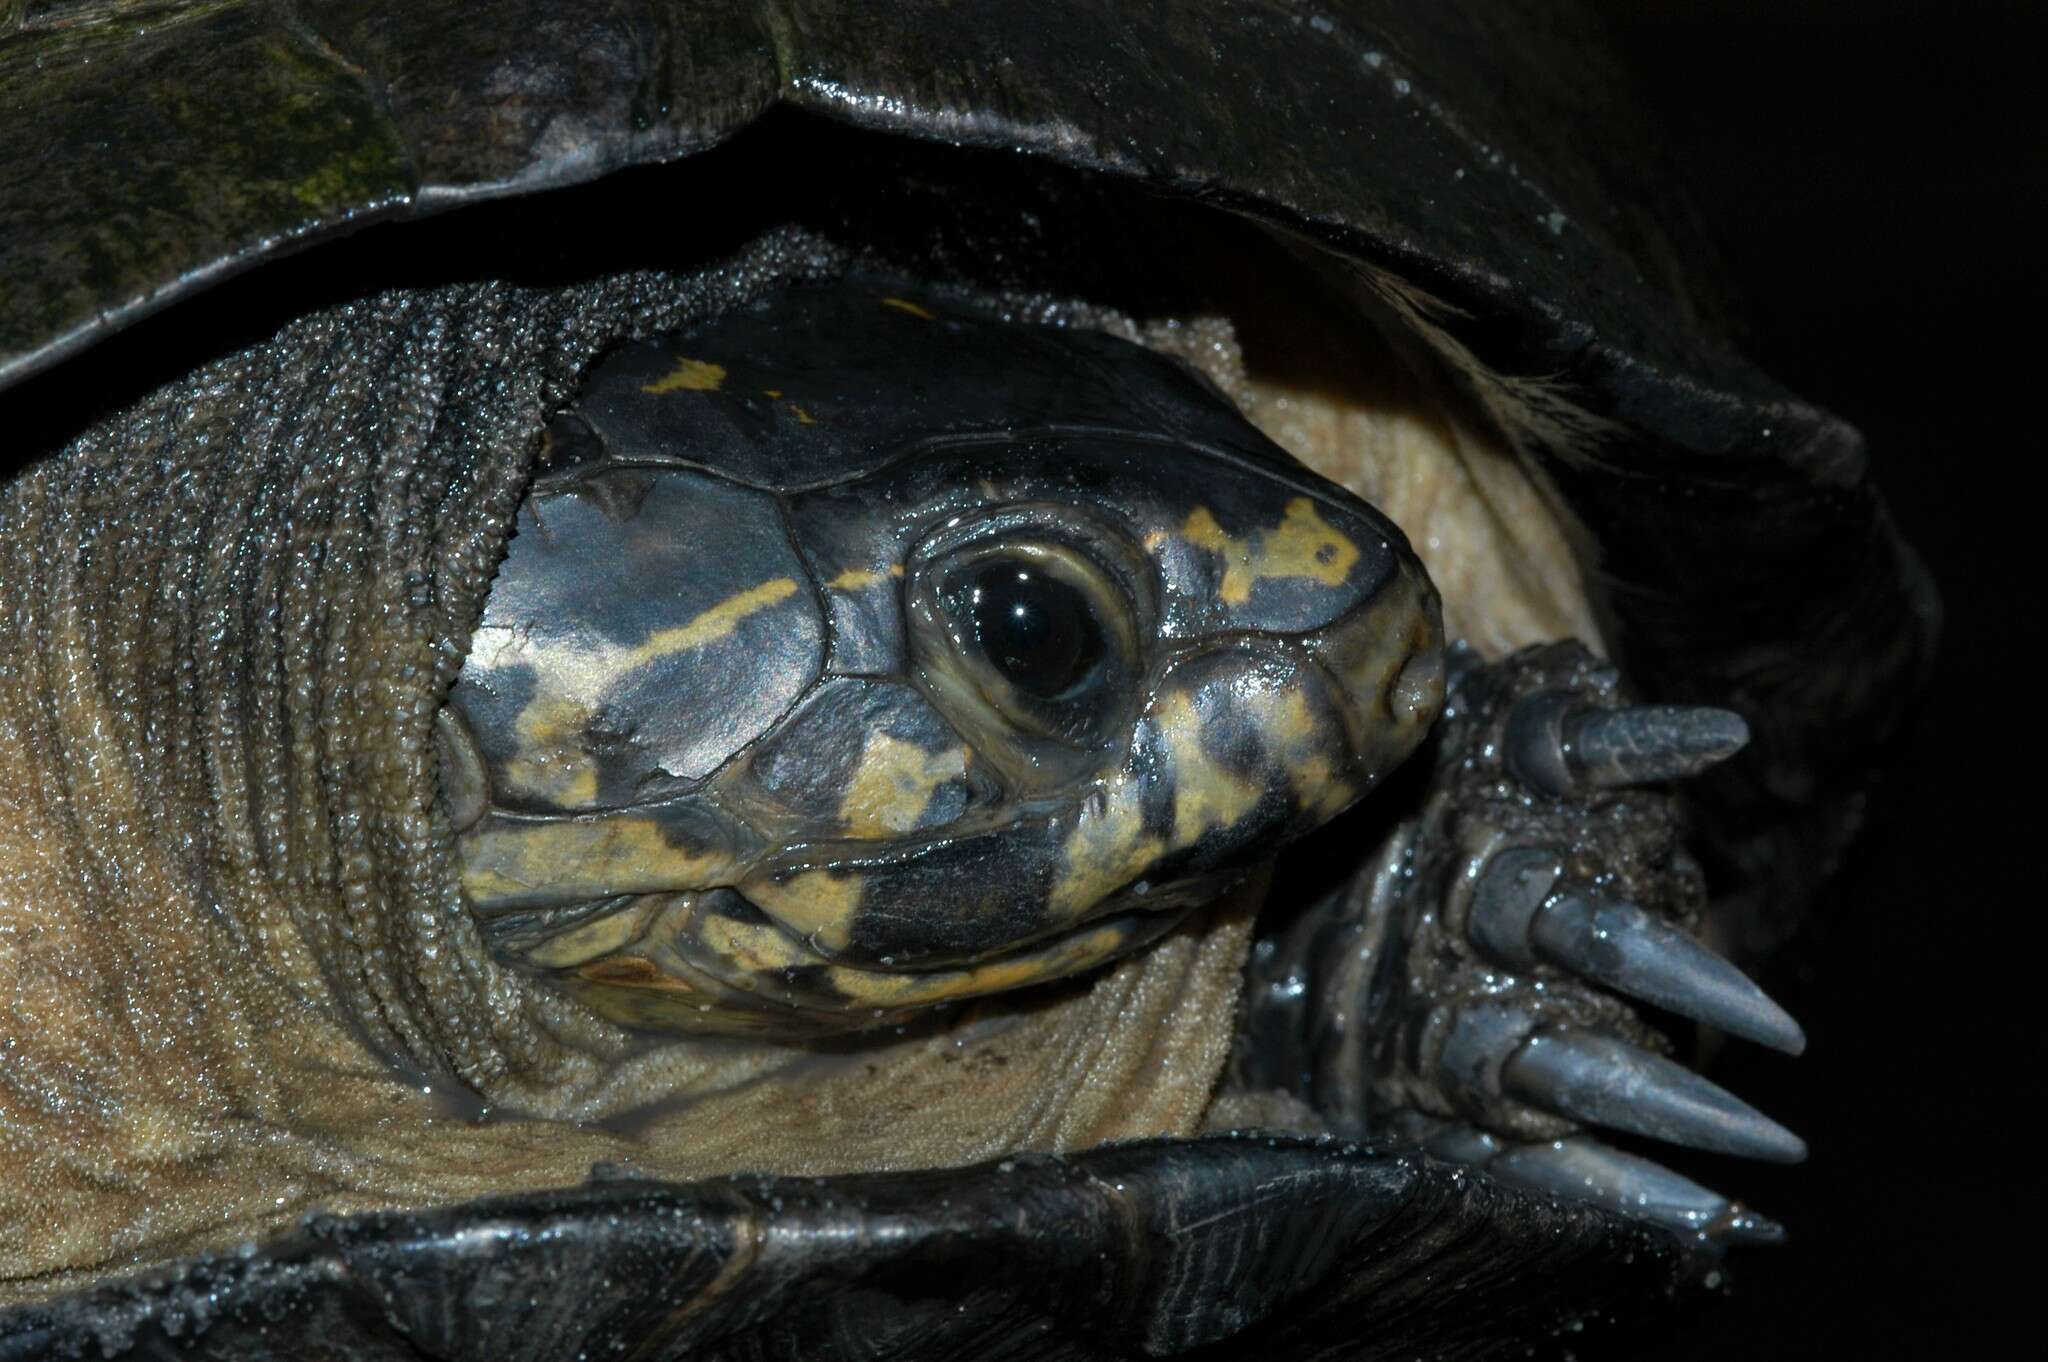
{"x":1386,"y":659}
{"x":1259,"y":740}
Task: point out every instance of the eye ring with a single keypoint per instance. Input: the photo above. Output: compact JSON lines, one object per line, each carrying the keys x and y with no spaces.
{"x":1027,"y":629}
{"x":1069,"y":664}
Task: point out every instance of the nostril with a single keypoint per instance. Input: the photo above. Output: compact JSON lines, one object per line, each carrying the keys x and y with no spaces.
{"x":1417,"y":690}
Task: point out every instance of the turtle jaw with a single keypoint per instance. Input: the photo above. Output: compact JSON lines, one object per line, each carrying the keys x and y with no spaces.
{"x":714,"y":963}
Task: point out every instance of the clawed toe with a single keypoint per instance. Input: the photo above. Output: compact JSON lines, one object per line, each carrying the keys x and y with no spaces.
{"x":1561,"y":746}
{"x":1606,"y":1082}
{"x":1523,"y":914}
{"x":1583,"y":1169}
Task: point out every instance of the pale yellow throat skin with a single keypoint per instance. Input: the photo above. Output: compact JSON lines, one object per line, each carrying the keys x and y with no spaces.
{"x":181,"y":1078}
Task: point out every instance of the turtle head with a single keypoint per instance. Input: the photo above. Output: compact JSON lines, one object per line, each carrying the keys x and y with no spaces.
{"x":855,"y":654}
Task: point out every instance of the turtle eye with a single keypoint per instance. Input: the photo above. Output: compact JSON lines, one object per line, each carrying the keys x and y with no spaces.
{"x":1035,"y":629}
{"x":1027,"y":627}
{"x":1043,"y":632}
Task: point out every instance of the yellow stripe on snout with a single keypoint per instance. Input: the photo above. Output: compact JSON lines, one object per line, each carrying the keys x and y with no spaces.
{"x":1303,"y":544}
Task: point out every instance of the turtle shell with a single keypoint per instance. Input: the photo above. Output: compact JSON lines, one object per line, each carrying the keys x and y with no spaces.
{"x":1733,"y":546}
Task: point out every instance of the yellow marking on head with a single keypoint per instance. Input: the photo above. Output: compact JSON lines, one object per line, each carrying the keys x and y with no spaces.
{"x":1106,"y":850}
{"x":1306,"y":545}
{"x":818,"y":903}
{"x":664,"y":964}
{"x":860,"y":579}
{"x":620,"y":854}
{"x":1203,"y":532}
{"x":689,"y":376}
{"x":894,"y":784}
{"x":711,"y":625}
{"x":772,"y":392}
{"x":1322,"y":788}
{"x":893,"y":992}
{"x":751,"y":945}
{"x":1291,"y":721}
{"x":552,"y":764}
{"x":1303,"y":544}
{"x":598,"y":937}
{"x":905,"y":305}
{"x":1206,"y":795}
{"x":1304,"y":754}
{"x":803,"y":418}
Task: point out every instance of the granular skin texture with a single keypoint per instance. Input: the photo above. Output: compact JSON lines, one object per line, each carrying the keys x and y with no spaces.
{"x":239,"y":982}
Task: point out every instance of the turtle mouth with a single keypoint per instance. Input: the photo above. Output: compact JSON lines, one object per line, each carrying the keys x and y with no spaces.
{"x":717,"y":962}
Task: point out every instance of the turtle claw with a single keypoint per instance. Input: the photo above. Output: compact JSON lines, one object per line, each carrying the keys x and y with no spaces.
{"x":1619,"y":946}
{"x":1496,"y":1051}
{"x":1519,"y":918}
{"x":1607,"y":1082}
{"x":1559,"y":746}
{"x":1580,"y":1168}
{"x":1587,"y":1170}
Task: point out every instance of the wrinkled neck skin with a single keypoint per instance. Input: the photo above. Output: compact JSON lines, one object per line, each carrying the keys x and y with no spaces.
{"x":239,"y":980}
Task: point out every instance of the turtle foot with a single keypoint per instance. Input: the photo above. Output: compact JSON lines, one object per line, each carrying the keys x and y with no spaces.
{"x":1551,"y":899}
{"x":1518,"y":939}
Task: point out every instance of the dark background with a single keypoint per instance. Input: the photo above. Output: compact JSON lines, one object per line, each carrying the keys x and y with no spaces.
{"x":1872,"y":175}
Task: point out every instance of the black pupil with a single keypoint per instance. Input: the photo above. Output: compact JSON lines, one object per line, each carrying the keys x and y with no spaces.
{"x":1037,"y":630}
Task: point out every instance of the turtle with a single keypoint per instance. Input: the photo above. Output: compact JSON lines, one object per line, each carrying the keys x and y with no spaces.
{"x":364,"y":963}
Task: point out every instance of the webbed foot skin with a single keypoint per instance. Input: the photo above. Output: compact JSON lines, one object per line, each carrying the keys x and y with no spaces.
{"x":1477,"y":991}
